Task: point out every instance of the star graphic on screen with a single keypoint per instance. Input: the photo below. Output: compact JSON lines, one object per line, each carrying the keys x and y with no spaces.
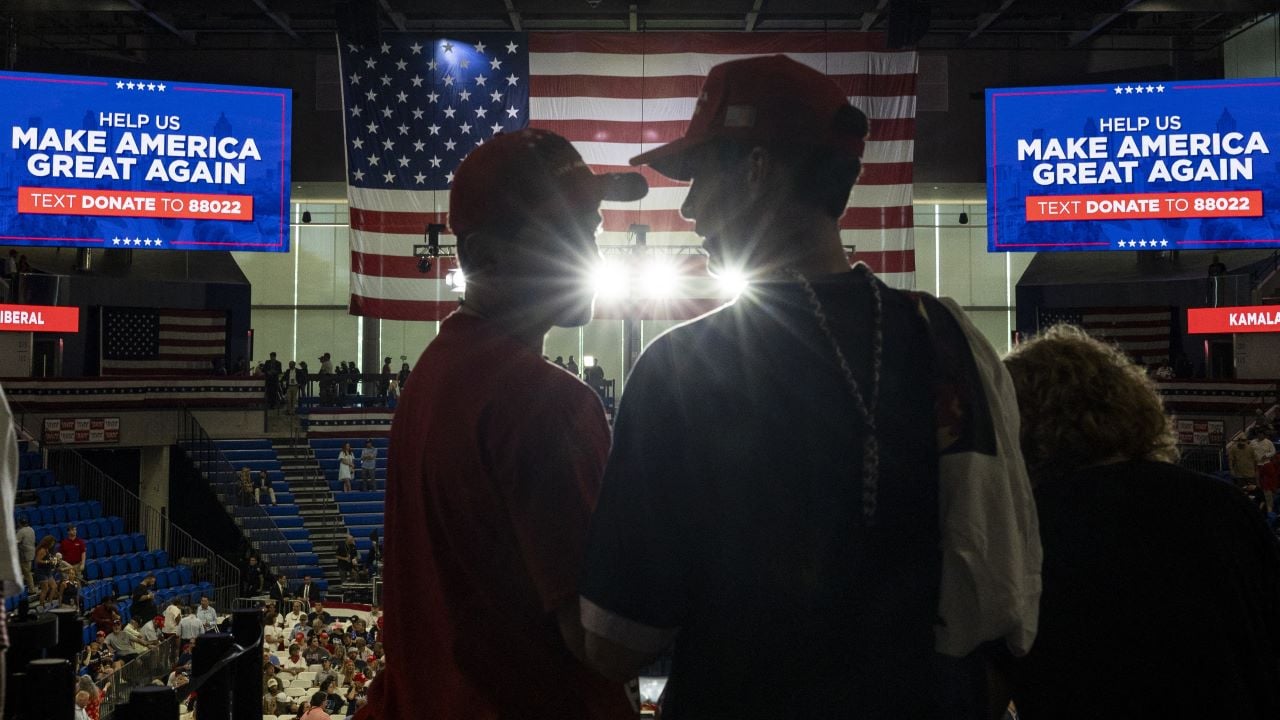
{"x":115,"y":241}
{"x":416,"y":48}
{"x":160,"y":87}
{"x":151,"y":86}
{"x":157,"y":242}
{"x":1128,"y":90}
{"x":119,"y":84}
{"x":1159,"y":88}
{"x":1119,"y":90}
{"x":147,"y":242}
{"x":1164,"y":242}
{"x":129,"y":84}
{"x":512,"y":47}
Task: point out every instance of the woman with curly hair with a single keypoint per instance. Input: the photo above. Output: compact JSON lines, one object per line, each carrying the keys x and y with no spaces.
{"x":1161,"y":592}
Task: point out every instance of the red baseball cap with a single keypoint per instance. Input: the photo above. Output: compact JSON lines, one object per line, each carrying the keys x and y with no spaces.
{"x":529,"y":173}
{"x":762,"y":100}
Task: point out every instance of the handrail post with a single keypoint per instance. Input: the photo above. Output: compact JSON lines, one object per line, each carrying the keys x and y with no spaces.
{"x":215,"y":696}
{"x":246,"y":628}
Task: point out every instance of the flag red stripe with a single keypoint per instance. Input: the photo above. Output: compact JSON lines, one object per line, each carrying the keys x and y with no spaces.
{"x":735,"y":43}
{"x":402,"y":309}
{"x":688,"y":86}
{"x":889,"y":261}
{"x":387,"y":221}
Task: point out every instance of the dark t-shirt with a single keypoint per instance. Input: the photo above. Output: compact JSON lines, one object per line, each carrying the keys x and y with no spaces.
{"x":494,"y":466}
{"x":143,"y":609}
{"x":1161,"y":599}
{"x":732,"y":509}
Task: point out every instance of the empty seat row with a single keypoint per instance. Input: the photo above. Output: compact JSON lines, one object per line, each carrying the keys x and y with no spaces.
{"x":96,"y":568}
{"x":64,"y":513}
{"x":244,"y":444}
{"x":327,"y":464}
{"x":379,"y":481}
{"x":86,"y":529}
{"x":363,"y":519}
{"x":352,"y":508}
{"x":28,"y":459}
{"x":57,"y":494}
{"x":235,"y":456}
{"x":359,"y":496}
{"x":36,"y":478}
{"x":115,"y":545}
{"x":253,"y":465}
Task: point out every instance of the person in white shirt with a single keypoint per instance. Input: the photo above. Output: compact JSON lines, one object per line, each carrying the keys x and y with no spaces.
{"x":190,"y":628}
{"x":296,"y":617}
{"x":346,"y":466}
{"x":172,"y":616}
{"x":1263,"y":448}
{"x":295,"y":663}
{"x":82,"y":702}
{"x":207,"y":616}
{"x":152,"y":630}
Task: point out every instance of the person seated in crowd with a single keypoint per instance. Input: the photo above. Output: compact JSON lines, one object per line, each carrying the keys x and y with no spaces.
{"x":93,"y":704}
{"x":253,"y":581}
{"x":1161,"y":593}
{"x":269,"y":658}
{"x":207,"y":615}
{"x":357,"y":693}
{"x":121,"y":644}
{"x":333,"y":701}
{"x":294,"y":663}
{"x":245,"y":486}
{"x":105,"y":616}
{"x":74,"y":552}
{"x":326,"y":671}
{"x":373,"y":558}
{"x":318,"y":613}
{"x":152,"y":631}
{"x":263,"y":489}
{"x":314,"y":653}
{"x":296,"y":617}
{"x":308,"y":591}
{"x":82,"y":701}
{"x":315,"y":708}
{"x":275,"y":701}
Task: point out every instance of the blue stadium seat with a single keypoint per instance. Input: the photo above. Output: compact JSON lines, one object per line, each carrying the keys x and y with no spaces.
{"x":139,"y":542}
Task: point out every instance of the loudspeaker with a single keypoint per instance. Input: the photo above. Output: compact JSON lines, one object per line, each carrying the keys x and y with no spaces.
{"x":357,"y":22}
{"x":908,"y":22}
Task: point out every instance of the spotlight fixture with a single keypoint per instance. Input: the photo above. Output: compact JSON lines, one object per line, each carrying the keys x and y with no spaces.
{"x":306,"y":216}
{"x":424,"y":264}
{"x":964,"y":218}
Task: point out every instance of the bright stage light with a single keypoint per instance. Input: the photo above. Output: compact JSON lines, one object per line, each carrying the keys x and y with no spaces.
{"x":732,"y":283}
{"x":659,"y":280}
{"x":609,"y":280}
{"x":455,"y":279}
{"x":588,"y":361}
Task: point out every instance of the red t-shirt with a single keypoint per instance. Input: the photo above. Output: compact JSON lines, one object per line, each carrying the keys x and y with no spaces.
{"x":493,"y":470}
{"x":72,"y":550}
{"x":1269,"y":476}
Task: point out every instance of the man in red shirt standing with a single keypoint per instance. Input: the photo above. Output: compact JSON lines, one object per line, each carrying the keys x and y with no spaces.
{"x":496,"y":457}
{"x":1269,"y":480}
{"x":73,"y":551}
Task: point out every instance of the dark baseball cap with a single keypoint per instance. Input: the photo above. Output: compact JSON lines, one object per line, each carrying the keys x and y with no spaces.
{"x":769,"y":99}
{"x":526,"y":174}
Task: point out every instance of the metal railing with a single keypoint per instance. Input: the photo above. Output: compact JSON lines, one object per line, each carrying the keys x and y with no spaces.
{"x":153,"y":664}
{"x":206,"y":565}
{"x":223,"y":479}
{"x":226,"y":677}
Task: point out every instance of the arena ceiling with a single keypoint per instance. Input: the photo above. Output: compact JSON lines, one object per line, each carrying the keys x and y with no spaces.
{"x":127,"y":28}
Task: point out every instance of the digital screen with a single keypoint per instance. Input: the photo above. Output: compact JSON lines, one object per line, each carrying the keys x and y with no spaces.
{"x":1240,"y":319}
{"x":1134,"y":166}
{"x":143,"y":164}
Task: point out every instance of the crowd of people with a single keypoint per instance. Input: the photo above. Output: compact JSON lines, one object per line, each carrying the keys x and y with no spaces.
{"x":339,"y":654}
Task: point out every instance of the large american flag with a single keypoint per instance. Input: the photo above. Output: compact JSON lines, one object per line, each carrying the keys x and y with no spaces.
{"x":152,"y":341}
{"x":1143,"y":333}
{"x":414,"y":106}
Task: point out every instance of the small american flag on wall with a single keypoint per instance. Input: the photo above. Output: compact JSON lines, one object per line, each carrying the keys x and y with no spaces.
{"x":1142,"y":332}
{"x":154,"y":341}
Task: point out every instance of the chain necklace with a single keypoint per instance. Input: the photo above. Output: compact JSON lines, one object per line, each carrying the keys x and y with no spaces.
{"x":865,"y":407}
